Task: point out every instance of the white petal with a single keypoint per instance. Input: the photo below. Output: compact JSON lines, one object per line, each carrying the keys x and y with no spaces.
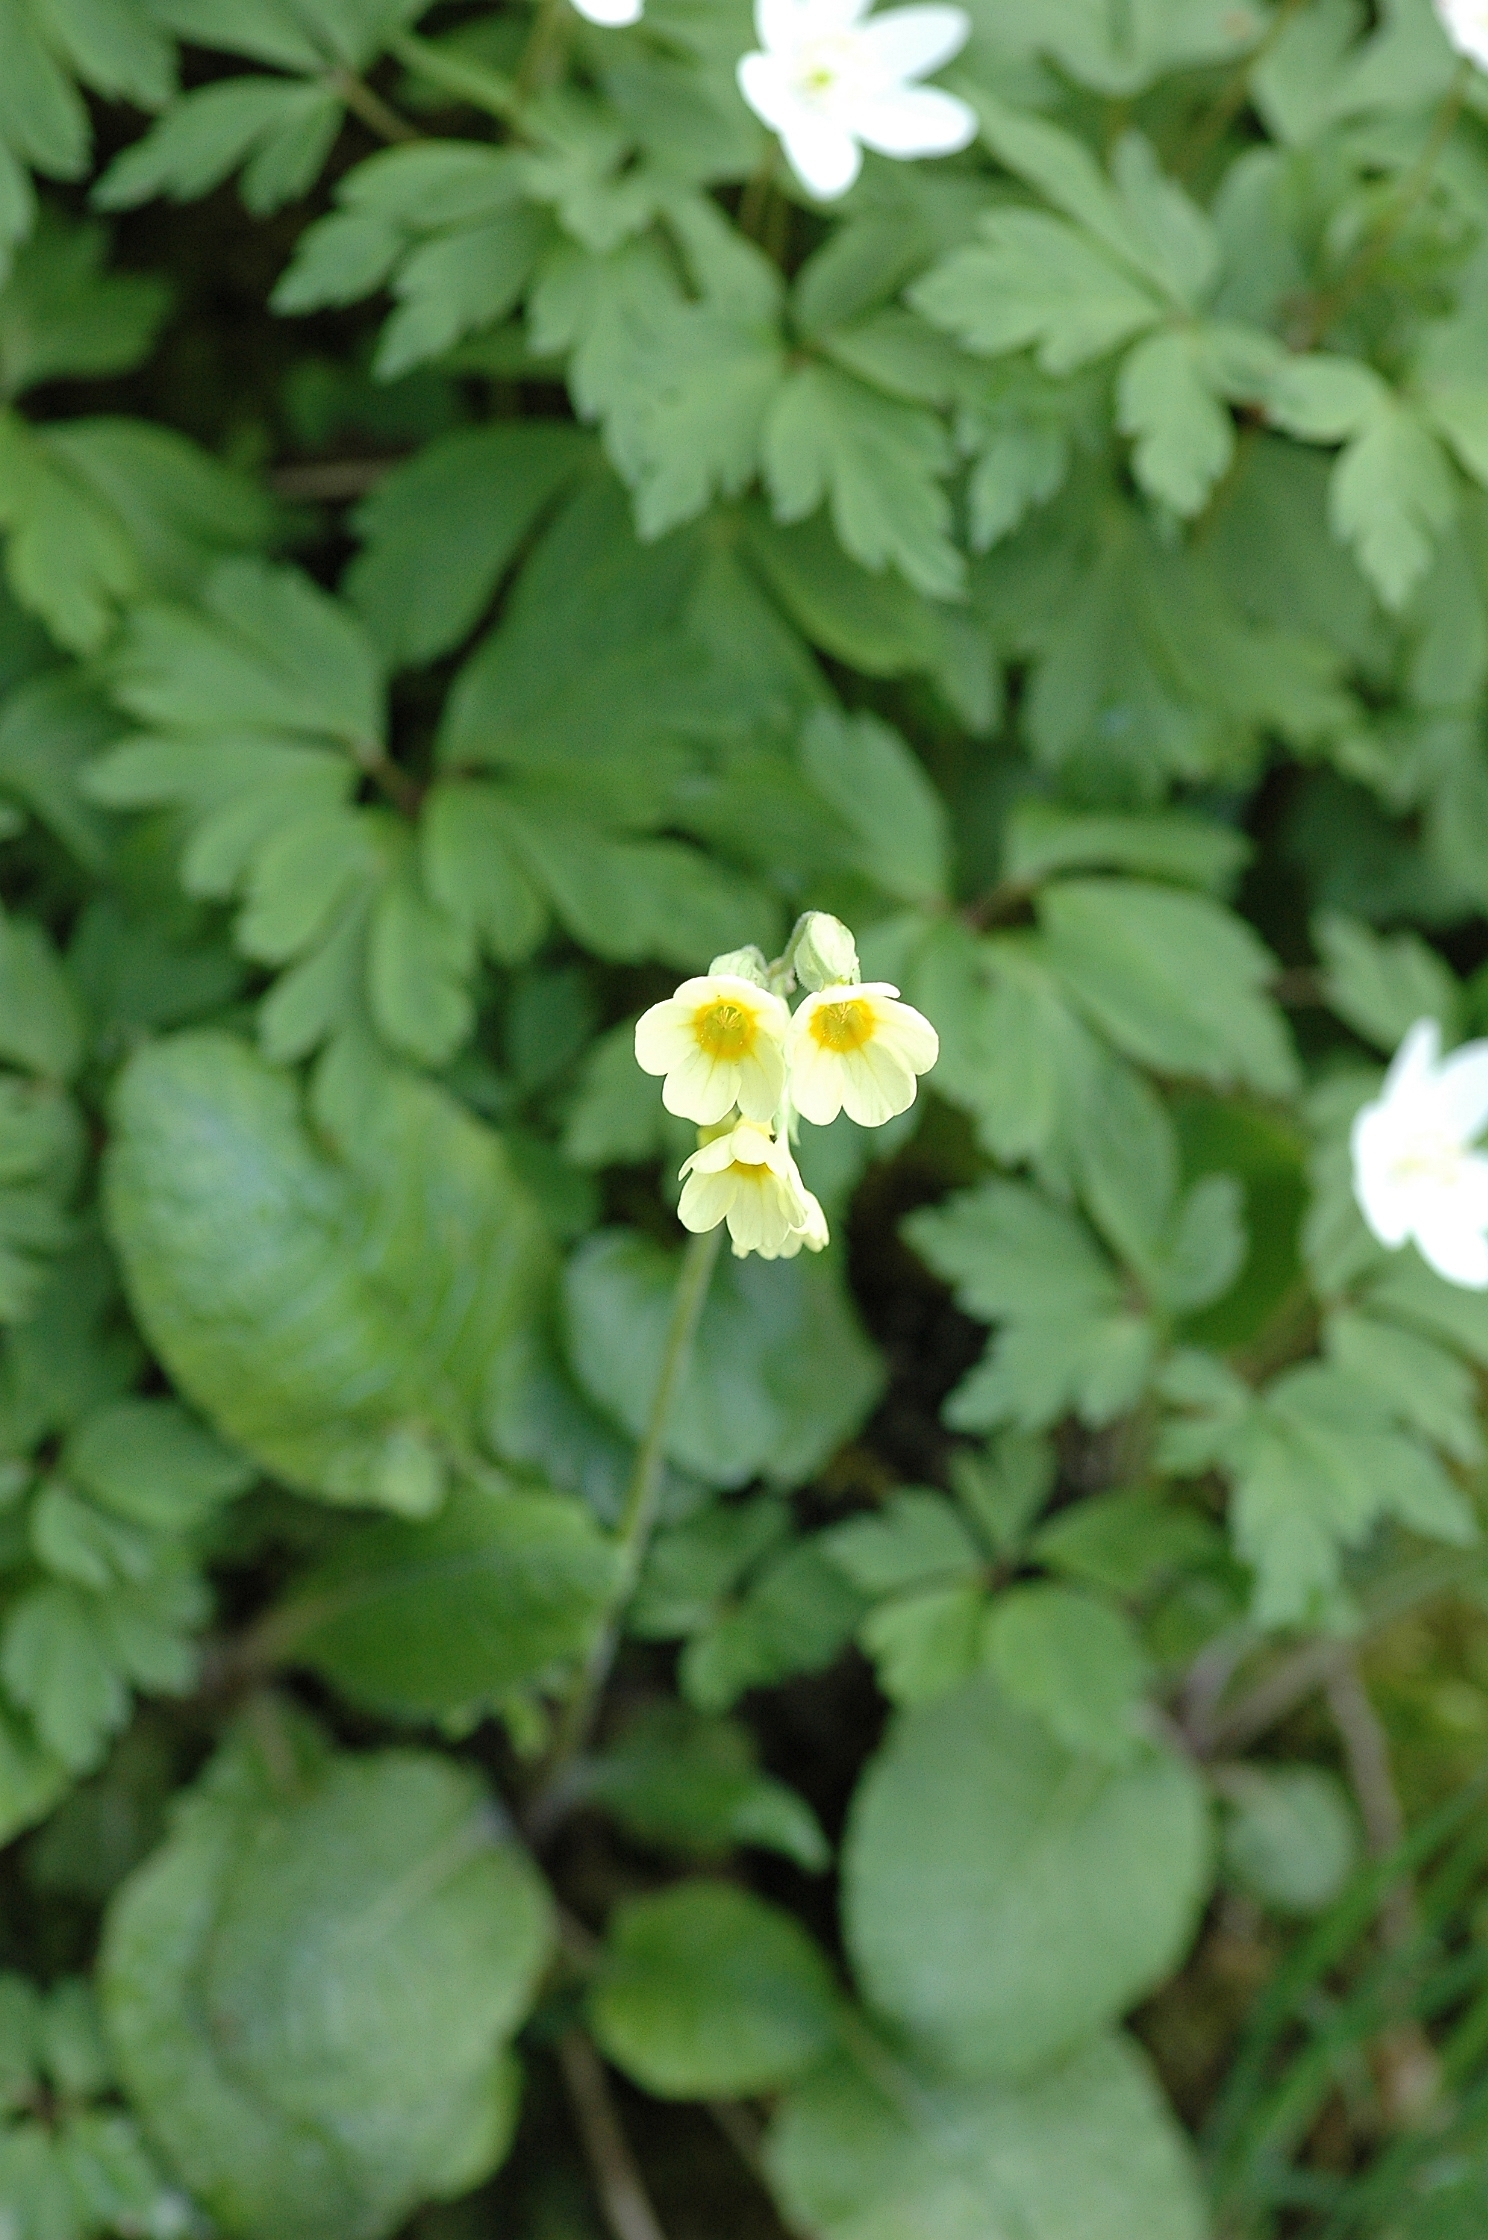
{"x":759,"y":1079}
{"x":908,"y":1033}
{"x":917,"y":121}
{"x":1455,"y":1251}
{"x":612,"y":14}
{"x":816,"y":1082}
{"x":1387,"y":1207}
{"x":1462,"y":1089}
{"x":664,"y":1036}
{"x":911,"y":42}
{"x":1415,"y":1060}
{"x":699,"y":1089}
{"x":705,"y":1200}
{"x":770,"y":90}
{"x":823,"y":155}
{"x":1466,"y":25}
{"x":874,"y":1085}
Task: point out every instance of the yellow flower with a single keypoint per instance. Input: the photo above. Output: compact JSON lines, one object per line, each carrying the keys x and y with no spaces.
{"x":858,"y":1049}
{"x":814,"y":1235}
{"x":720,"y":1042}
{"x":749,"y":1179}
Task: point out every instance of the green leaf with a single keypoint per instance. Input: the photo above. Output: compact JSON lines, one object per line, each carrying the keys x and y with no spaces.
{"x":867,"y":2149}
{"x":689,"y":1783}
{"x":877,"y":463}
{"x":916,"y":1539}
{"x":364,"y":1944}
{"x":1183,"y":437}
{"x":331,"y":1352}
{"x":439,"y":533}
{"x":1318,"y":1461}
{"x":61,"y":314}
{"x":706,"y":1991}
{"x":796,"y":1615}
{"x":1069,"y":1339}
{"x":266,"y":652}
{"x":420,"y":1620}
{"x":1041,"y":836}
{"x":1174,"y":980}
{"x":1074,"y":1662}
{"x":1034,"y":282}
{"x":279,"y":129}
{"x":41,"y":1021}
{"x":883,"y":796}
{"x":1290,"y":1837}
{"x":1392,"y":496}
{"x":1381,"y":985}
{"x":780,"y":1372}
{"x":1005,"y":1898}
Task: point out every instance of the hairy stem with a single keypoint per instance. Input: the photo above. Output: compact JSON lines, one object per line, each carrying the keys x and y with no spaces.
{"x":544,"y":44}
{"x":1213,"y":126}
{"x":474,"y":82}
{"x":1324,"y":311}
{"x":617,"y":2178}
{"x":373,"y":111}
{"x":638,"y":1516}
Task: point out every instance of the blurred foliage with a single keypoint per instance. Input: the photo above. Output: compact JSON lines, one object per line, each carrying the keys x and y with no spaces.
{"x":479,"y":540}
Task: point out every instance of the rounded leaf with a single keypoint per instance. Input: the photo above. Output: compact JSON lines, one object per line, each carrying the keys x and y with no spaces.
{"x":1086,"y":2151}
{"x":1004,"y":1897}
{"x":710,"y":1992}
{"x":310,"y":1989}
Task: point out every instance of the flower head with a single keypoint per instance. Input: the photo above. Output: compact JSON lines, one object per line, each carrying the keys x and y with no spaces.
{"x":1414,"y":1174}
{"x":1465,"y":23}
{"x":858,"y":1050}
{"x":720,"y":1042}
{"x":832,"y":83}
{"x":749,"y":1179}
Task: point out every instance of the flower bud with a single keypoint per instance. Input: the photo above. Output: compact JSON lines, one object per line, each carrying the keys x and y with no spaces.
{"x":823,"y":953}
{"x":743,"y":964}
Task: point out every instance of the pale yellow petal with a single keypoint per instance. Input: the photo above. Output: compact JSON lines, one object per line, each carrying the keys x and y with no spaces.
{"x":699,"y":1089}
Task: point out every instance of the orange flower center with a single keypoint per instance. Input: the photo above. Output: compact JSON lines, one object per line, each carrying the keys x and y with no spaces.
{"x":724,"y":1029}
{"x":843,"y":1026}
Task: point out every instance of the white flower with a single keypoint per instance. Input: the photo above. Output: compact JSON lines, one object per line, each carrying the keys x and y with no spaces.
{"x":612,"y":14}
{"x":749,"y":1179}
{"x":1414,"y":1174}
{"x":720,"y":1042}
{"x":1465,"y":23}
{"x":858,"y":1049}
{"x":814,"y":1234}
{"x":831,"y":84}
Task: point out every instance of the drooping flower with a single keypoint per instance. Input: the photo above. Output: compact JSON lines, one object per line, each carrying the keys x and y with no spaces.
{"x":749,"y":1179}
{"x":720,"y":1042}
{"x":833,"y":80}
{"x":1465,"y":23}
{"x":858,"y":1049}
{"x":813,"y":1236}
{"x":612,"y":15}
{"x":1416,"y":1176}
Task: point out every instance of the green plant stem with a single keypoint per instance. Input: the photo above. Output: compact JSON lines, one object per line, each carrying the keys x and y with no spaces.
{"x":1326,"y":309}
{"x":1217,"y":121}
{"x":544,"y":44}
{"x":617,"y":2179}
{"x":638,"y":1516}
{"x":373,"y":111}
{"x":474,"y":82}
{"x":755,"y":200}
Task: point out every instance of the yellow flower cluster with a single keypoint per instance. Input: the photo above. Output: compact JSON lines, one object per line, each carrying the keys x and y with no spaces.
{"x":734,"y":1058}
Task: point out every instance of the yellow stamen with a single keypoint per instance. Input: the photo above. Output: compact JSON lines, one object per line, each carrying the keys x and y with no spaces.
{"x":724,"y":1030}
{"x":843,"y":1026}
